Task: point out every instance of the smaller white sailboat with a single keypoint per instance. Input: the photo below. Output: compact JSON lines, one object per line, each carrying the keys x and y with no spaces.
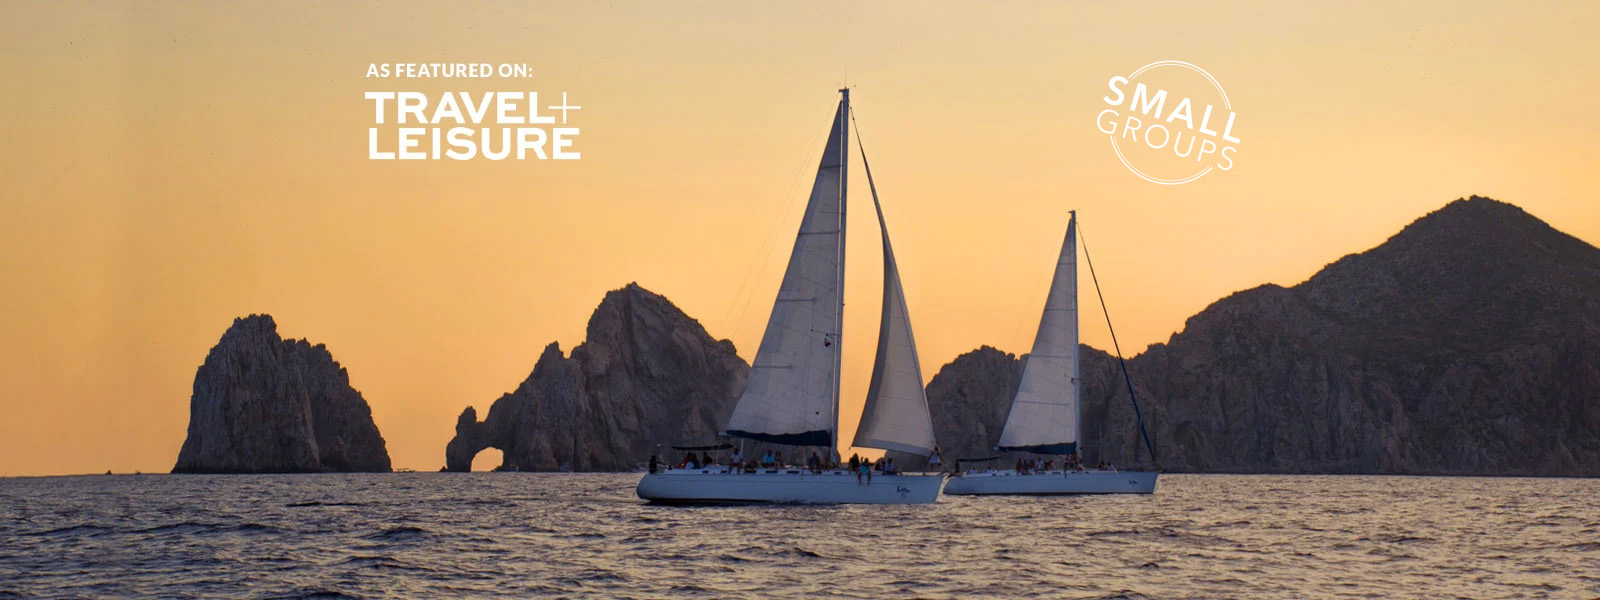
{"x":1045,"y":414}
{"x":792,"y":394}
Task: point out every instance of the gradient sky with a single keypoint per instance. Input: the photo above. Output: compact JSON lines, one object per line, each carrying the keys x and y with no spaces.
{"x":170,"y":166}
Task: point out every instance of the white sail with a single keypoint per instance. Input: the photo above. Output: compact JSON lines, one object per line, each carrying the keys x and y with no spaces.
{"x":896,"y":413}
{"x":790,"y":393}
{"x":1044,"y":414}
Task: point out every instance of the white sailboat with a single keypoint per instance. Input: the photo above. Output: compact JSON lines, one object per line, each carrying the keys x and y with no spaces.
{"x":1045,"y":414}
{"x":792,"y":393}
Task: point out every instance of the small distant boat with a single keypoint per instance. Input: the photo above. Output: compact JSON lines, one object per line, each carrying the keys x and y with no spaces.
{"x":792,"y":394}
{"x":1045,"y":414}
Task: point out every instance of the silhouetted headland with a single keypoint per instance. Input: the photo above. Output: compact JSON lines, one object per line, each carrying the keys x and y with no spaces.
{"x":1466,"y":344}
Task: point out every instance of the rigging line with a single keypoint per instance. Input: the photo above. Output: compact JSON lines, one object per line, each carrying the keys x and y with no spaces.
{"x":745,"y":296}
{"x":1118,"y":347}
{"x":1022,"y":320}
{"x":863,"y":149}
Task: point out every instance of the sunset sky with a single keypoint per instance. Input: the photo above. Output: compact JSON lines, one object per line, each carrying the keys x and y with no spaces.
{"x":170,"y":166}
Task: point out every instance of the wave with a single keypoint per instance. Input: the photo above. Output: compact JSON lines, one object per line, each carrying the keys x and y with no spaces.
{"x":321,"y":503}
{"x":313,"y":594}
{"x":200,"y":528}
{"x":87,"y":529}
{"x":403,"y":532}
{"x":797,"y":552}
{"x":379,"y":562}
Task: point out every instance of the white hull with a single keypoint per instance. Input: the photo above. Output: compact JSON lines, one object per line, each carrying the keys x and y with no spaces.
{"x":786,"y":486}
{"x":1053,"y":483}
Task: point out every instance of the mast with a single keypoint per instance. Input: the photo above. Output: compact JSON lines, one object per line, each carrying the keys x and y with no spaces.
{"x":844,"y":179}
{"x":1046,"y":410}
{"x":792,"y":393}
{"x":1076,"y":374}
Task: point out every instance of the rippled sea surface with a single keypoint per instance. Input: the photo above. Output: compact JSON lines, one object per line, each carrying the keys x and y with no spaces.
{"x":439,"y":535}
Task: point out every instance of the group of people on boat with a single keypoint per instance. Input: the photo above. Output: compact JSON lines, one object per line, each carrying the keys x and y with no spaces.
{"x":1071,"y":463}
{"x":862,"y":467}
{"x":775,"y":460}
{"x":1036,"y":465}
{"x":736,"y":463}
{"x":865,"y":467}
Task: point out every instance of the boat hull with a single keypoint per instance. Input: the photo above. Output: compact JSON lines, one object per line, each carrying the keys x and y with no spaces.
{"x":781,"y":486}
{"x":1052,"y":484}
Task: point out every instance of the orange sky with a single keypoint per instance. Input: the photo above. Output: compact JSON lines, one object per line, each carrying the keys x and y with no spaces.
{"x":169,"y":166}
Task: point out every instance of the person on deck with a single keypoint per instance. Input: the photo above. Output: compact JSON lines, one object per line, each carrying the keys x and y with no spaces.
{"x":936,"y":462}
{"x":855,"y":461}
{"x":864,"y":469}
{"x":655,"y":463}
{"x":737,"y":457}
{"x":705,"y":460}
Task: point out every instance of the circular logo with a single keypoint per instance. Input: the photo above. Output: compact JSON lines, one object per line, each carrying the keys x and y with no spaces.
{"x":1170,"y":122}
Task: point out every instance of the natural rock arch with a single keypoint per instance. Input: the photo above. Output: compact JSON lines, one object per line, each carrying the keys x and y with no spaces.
{"x":646,"y":373}
{"x":471,"y":438}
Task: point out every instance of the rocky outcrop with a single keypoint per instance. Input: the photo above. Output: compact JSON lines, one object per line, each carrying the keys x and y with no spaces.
{"x":262,"y":404}
{"x":966,"y":419}
{"x":646,"y":374}
{"x":1469,"y":343}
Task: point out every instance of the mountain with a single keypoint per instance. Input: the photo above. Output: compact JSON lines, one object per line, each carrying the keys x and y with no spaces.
{"x":645,"y":374}
{"x":262,"y":404}
{"x":1468,"y":343}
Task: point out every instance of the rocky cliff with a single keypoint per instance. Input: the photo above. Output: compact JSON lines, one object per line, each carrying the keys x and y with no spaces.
{"x":645,"y":374}
{"x":1468,"y":343}
{"x":262,"y":404}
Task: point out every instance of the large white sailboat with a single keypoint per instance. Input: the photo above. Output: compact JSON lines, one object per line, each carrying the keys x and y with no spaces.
{"x":792,"y":394}
{"x":1045,"y":414}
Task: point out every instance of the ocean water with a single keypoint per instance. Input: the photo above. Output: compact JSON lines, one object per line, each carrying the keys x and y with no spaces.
{"x":436,"y":535}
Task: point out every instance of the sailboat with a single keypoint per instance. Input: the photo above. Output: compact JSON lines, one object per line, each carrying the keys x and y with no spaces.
{"x":791,"y":396}
{"x":1045,"y":415}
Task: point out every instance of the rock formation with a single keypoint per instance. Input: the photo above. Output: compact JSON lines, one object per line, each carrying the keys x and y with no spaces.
{"x":1469,"y":343}
{"x":262,"y":404}
{"x":646,"y":374}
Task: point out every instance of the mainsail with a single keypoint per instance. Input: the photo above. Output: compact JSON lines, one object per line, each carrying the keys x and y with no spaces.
{"x":1044,"y":414}
{"x":790,"y":393}
{"x":896,"y":413}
